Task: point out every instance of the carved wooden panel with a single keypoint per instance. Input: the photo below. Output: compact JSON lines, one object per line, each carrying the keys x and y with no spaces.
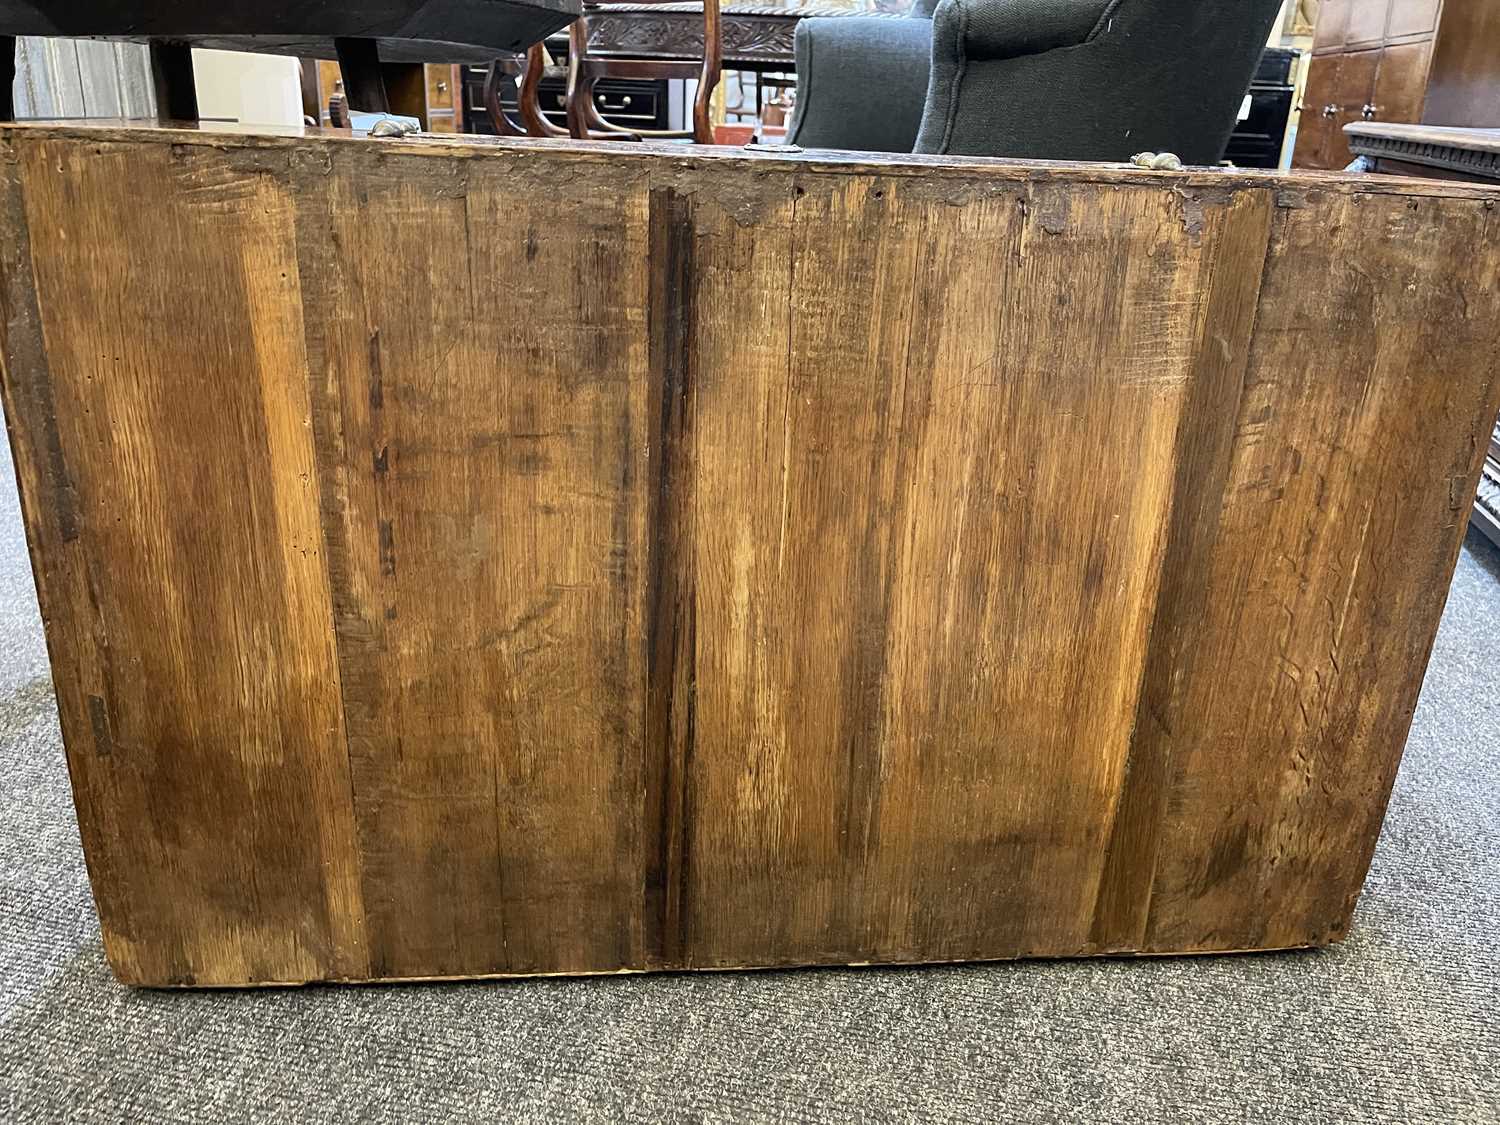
{"x":761,"y":36}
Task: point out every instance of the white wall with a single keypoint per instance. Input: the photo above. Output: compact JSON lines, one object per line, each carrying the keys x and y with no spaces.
{"x":252,"y":89}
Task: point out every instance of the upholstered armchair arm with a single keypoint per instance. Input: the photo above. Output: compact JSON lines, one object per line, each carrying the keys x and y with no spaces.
{"x":861,"y":82}
{"x":1006,"y":29}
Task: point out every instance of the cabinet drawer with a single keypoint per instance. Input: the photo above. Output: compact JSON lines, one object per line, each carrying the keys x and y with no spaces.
{"x":622,"y":105}
{"x":632,"y":103}
{"x":1401,"y":83}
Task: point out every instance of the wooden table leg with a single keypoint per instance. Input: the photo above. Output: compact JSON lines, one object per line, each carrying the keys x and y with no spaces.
{"x":7,"y":77}
{"x":364,"y":84}
{"x":172,"y":77}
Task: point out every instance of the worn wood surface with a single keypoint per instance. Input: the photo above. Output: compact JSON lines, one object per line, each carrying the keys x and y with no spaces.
{"x":480,"y":559}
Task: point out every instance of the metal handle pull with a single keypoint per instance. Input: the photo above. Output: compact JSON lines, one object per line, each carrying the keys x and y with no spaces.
{"x":1367,"y":111}
{"x":442,"y":87}
{"x":1330,"y":110}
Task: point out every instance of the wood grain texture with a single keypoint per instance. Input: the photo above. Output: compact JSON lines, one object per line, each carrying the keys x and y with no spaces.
{"x":552,"y":559}
{"x":486,"y":519}
{"x":173,"y":509}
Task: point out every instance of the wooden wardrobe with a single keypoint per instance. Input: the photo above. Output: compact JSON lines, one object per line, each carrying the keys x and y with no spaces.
{"x":1408,"y":61}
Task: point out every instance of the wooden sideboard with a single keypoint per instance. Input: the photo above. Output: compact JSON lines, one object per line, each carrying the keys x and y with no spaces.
{"x":1398,"y":61}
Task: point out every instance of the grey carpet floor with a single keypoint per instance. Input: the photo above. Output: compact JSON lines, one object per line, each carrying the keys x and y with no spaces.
{"x":1399,"y":1024}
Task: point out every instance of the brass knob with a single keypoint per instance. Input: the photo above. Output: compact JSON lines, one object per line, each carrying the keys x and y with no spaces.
{"x":442,"y":87}
{"x":1367,"y":111}
{"x":1330,"y":111}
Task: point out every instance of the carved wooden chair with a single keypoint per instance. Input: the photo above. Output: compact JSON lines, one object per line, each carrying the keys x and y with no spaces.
{"x":537,"y":64}
{"x":584,"y":118}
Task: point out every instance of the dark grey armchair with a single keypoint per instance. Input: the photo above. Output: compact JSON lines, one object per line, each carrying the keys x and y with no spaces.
{"x":1038,"y":79}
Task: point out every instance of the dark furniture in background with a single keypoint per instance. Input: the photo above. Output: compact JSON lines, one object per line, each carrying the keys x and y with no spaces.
{"x":1258,"y":138}
{"x":754,"y":37}
{"x":758,"y":38}
{"x":636,"y":104}
{"x":361,"y":37}
{"x":1399,"y":62}
{"x":1436,"y":153}
{"x":1084,"y":80}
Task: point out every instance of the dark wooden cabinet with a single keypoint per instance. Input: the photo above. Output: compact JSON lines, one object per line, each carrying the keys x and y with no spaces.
{"x":1319,"y":105}
{"x":1258,"y":137}
{"x":1401,"y":62}
{"x":1464,"y":86}
{"x":1401,"y":81}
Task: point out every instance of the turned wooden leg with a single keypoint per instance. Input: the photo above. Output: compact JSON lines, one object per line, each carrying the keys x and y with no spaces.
{"x":713,"y":67}
{"x":172,"y":77}
{"x":531,"y":106}
{"x":580,"y":86}
{"x":364,"y":82}
{"x":500,"y":77}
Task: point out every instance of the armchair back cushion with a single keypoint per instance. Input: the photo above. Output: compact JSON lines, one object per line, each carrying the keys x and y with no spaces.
{"x":1090,"y":79}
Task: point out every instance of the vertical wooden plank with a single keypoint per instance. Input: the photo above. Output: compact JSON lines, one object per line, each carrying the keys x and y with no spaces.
{"x":564,"y":267}
{"x":481,"y":411}
{"x":729,"y":785}
{"x":1204,"y":446}
{"x":919,"y":762}
{"x":172,"y":505}
{"x":671,"y":520}
{"x":1353,"y":468}
{"x":1065,"y":337}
